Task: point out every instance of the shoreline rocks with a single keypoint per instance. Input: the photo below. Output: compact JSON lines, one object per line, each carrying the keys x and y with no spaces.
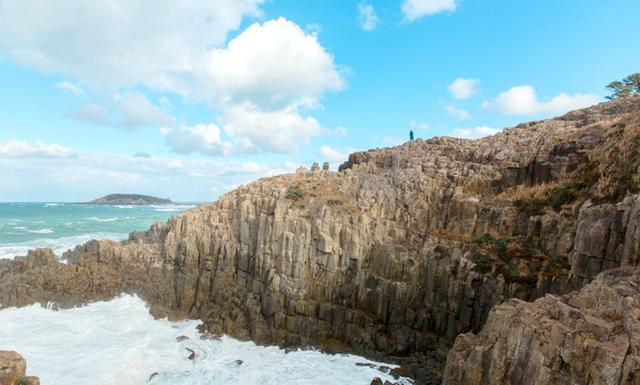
{"x":13,"y":370}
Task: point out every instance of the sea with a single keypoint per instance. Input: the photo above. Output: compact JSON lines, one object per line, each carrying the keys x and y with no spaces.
{"x":118,"y":341}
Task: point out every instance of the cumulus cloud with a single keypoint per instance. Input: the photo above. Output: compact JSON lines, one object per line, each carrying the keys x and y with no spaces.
{"x":274,"y":70}
{"x":523,"y":100}
{"x":129,"y":110}
{"x":201,"y":138}
{"x":414,"y":9}
{"x":22,"y":149}
{"x":118,"y":43}
{"x":278,"y":131}
{"x":70,"y":87}
{"x":273,"y":65}
{"x":474,"y":133}
{"x":456,"y":112}
{"x":367,"y":16}
{"x":463,"y":88}
{"x":332,"y":155}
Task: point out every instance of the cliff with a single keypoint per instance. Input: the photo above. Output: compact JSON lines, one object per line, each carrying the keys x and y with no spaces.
{"x":583,"y":338}
{"x":128,"y":199}
{"x":396,"y":254}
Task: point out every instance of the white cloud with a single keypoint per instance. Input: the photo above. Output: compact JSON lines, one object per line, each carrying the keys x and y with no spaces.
{"x":414,"y":125}
{"x":91,"y":175}
{"x":201,"y":138}
{"x":274,"y":70}
{"x":118,"y":43}
{"x":70,"y":87}
{"x":92,"y":113}
{"x":367,"y":16}
{"x":273,"y":65}
{"x":22,"y":149}
{"x":414,"y":9}
{"x":130,"y":109}
{"x":475,"y":133}
{"x":138,"y":111}
{"x":463,"y":88}
{"x":332,"y":155}
{"x":523,"y":100}
{"x":456,"y":112}
{"x":277,"y":131}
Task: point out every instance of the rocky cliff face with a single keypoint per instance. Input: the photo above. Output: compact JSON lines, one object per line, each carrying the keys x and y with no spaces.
{"x":587,"y":337}
{"x":396,"y":254}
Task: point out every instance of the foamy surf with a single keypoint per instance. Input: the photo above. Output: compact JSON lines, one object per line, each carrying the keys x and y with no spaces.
{"x":58,"y":245}
{"x":118,"y":342}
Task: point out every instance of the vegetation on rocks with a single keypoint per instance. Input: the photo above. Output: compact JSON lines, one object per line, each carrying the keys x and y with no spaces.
{"x":518,"y":259}
{"x":294,"y":193}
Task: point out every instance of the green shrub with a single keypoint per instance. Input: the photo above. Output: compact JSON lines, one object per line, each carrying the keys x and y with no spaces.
{"x":531,"y":206}
{"x":483,"y":263}
{"x":294,"y":193}
{"x":334,"y":202}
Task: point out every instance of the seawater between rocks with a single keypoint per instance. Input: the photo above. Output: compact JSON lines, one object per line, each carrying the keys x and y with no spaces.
{"x":62,"y":226}
{"x":119,"y":342}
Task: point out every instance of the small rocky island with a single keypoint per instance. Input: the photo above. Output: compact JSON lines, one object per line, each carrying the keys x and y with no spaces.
{"x":129,"y":199}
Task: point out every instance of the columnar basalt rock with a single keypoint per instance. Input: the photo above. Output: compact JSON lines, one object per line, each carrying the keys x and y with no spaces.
{"x":398,"y":252}
{"x":583,"y":338}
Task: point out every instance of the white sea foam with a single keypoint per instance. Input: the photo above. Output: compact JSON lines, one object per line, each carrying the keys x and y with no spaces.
{"x":118,"y":342}
{"x":52,"y":204}
{"x":41,"y":231}
{"x":112,"y":219}
{"x":59,"y":245}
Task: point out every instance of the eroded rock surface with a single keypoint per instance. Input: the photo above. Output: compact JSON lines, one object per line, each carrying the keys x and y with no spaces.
{"x":13,"y":370}
{"x":396,"y":254}
{"x":583,"y":338}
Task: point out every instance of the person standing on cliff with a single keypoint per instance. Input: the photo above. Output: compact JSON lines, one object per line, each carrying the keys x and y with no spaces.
{"x":411,"y":135}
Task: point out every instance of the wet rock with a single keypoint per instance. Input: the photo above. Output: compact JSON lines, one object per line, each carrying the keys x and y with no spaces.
{"x":181,"y":338}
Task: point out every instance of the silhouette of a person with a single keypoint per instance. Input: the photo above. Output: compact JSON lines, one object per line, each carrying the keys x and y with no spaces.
{"x":410,"y":134}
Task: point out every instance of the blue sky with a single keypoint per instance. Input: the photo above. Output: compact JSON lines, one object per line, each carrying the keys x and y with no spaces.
{"x":192,"y":100}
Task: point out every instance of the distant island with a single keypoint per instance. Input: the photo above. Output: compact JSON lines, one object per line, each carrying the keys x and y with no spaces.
{"x":129,"y":199}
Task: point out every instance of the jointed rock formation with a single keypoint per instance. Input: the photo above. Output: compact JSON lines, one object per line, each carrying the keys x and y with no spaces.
{"x":396,"y":254}
{"x":587,"y":337}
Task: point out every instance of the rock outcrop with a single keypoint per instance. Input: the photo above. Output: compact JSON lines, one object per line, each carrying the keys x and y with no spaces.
{"x":591,"y":337}
{"x":13,"y":370}
{"x":396,"y":254}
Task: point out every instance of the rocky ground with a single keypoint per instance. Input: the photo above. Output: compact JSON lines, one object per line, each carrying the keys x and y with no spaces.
{"x":13,"y":369}
{"x":393,"y":256}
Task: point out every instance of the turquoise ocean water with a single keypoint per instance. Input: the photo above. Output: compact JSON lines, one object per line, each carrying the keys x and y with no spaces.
{"x":62,"y":226}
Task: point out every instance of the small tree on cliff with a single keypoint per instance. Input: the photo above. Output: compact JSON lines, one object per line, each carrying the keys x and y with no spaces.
{"x":628,"y":86}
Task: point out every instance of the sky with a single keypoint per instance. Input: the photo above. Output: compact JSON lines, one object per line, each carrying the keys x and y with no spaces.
{"x":191,"y":99}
